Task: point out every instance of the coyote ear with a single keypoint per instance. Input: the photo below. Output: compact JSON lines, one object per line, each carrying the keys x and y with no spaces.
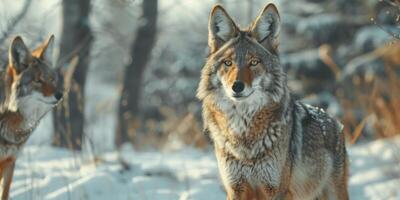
{"x":221,"y":28}
{"x":45,"y":52}
{"x":266,"y":27}
{"x":19,"y":55}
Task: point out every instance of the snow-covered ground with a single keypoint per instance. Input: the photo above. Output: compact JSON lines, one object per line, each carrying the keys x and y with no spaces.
{"x":375,"y":170}
{"x":50,"y":173}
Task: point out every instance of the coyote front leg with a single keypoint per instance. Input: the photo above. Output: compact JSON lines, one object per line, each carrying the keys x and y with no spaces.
{"x":7,"y":171}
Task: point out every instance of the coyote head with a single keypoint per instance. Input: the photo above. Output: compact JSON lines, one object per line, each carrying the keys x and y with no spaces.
{"x":31,"y":83}
{"x":243,"y":64}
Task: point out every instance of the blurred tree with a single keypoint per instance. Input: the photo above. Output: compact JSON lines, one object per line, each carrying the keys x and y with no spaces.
{"x":140,"y":53}
{"x":76,"y":40}
{"x":14,"y":21}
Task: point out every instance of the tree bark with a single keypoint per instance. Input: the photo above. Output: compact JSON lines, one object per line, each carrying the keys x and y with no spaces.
{"x":131,"y":92}
{"x":76,"y":40}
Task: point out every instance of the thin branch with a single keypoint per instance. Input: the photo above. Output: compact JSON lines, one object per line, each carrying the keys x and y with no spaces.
{"x":395,"y":4}
{"x":391,"y":33}
{"x":392,"y":3}
{"x":15,"y":21}
{"x":66,"y":58}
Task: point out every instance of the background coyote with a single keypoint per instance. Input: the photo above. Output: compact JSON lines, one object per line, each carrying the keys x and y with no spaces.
{"x":29,"y":90}
{"x":268,"y":145}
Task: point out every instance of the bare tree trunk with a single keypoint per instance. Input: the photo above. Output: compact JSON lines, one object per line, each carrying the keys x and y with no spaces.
{"x":131,"y":91}
{"x":75,"y":41}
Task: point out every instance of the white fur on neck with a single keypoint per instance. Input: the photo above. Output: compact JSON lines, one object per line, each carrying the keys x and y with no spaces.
{"x":32,"y":107}
{"x":241,"y":112}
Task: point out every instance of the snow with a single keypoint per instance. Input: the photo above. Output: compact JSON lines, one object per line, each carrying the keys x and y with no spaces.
{"x":375,"y":170}
{"x":44,"y":172}
{"x":52,"y":173}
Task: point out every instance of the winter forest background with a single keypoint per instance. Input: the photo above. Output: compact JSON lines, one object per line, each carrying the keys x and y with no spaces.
{"x":131,"y":128}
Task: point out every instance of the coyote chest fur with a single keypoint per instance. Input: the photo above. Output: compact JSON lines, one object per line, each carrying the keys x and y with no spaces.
{"x":14,"y":133}
{"x":268,"y":145}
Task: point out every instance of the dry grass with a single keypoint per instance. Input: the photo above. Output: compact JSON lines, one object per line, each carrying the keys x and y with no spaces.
{"x":174,"y":128}
{"x":377,"y":98}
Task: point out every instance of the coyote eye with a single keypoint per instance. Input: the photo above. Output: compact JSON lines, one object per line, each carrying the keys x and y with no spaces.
{"x":254,"y":62}
{"x":228,"y":62}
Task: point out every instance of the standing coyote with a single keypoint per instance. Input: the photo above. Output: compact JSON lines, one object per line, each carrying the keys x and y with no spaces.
{"x":268,"y":145}
{"x":27,"y":92}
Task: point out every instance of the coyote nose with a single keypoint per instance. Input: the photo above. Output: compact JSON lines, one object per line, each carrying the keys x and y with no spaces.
{"x":238,"y":86}
{"x":58,"y":95}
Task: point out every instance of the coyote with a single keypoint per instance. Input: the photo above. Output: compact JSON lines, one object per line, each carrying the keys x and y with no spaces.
{"x":268,"y":145}
{"x":28,"y":90}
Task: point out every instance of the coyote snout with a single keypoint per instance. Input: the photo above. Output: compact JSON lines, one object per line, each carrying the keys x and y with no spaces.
{"x":237,"y":76}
